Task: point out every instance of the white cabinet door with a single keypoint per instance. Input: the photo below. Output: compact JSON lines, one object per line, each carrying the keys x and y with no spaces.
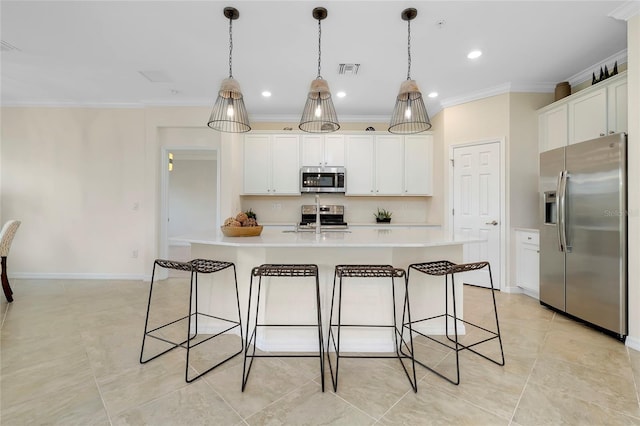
{"x":271,"y":164}
{"x":389,"y":164}
{"x":359,"y":164}
{"x":257,"y":164}
{"x":553,"y":128}
{"x":588,"y":116}
{"x":334,"y":150}
{"x":617,"y":107}
{"x":418,"y":164}
{"x":285,"y":166}
{"x":312,"y":147}
{"x":527,"y":262}
{"x":322,"y":150}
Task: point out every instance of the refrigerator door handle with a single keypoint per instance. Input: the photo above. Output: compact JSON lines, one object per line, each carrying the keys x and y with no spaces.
{"x":562,"y":209}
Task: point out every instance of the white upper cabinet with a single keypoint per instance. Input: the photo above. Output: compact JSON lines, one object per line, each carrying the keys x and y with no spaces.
{"x":553,"y":128}
{"x":617,"y":106}
{"x":359,"y":165}
{"x":418,"y":165}
{"x":588,"y":114}
{"x":389,"y":165}
{"x":322,"y":150}
{"x":271,"y":164}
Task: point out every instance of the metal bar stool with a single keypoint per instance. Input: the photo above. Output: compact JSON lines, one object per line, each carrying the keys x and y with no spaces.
{"x":280,"y":270}
{"x":194,"y":267}
{"x":446,"y":268}
{"x":372,"y":271}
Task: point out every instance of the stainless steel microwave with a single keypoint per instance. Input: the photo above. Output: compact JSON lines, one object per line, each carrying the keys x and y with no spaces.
{"x":322,"y":179}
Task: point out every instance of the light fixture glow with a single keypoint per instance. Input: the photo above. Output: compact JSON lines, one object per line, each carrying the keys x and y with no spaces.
{"x":266,"y":94}
{"x":409,"y":114}
{"x":319,"y":114}
{"x":229,"y":113}
{"x":171,"y":161}
{"x":474,"y":54}
{"x":341,"y":94}
{"x":433,"y":95}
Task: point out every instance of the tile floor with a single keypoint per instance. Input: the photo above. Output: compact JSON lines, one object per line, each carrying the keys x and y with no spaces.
{"x":70,"y":348}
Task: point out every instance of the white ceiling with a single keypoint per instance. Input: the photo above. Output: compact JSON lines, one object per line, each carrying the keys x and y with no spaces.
{"x":92,"y":52}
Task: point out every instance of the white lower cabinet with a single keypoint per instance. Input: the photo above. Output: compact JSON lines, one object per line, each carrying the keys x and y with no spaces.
{"x":528,"y":261}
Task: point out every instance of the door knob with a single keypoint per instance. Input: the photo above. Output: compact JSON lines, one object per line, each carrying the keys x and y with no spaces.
{"x":493,"y":222}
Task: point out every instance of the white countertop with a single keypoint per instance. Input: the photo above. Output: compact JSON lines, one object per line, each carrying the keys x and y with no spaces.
{"x":356,"y":237}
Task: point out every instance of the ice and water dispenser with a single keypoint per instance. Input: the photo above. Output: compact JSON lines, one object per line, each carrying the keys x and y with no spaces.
{"x":550,"y":208}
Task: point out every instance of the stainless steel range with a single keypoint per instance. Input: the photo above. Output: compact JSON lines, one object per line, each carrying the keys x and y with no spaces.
{"x":331,"y":216}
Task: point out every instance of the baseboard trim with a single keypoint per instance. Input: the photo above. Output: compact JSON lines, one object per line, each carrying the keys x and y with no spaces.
{"x":633,"y":343}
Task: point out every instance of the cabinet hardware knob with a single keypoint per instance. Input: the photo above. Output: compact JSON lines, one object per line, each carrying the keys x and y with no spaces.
{"x":601,"y":134}
{"x":611,"y":132}
{"x":528,"y":238}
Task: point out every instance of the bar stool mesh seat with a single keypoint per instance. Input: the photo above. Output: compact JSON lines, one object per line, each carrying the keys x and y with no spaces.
{"x":280,"y":270}
{"x":192,"y":340}
{"x":400,"y":341}
{"x":449,"y":269}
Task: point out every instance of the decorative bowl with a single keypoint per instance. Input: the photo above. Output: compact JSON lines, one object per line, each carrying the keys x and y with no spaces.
{"x":237,"y":231}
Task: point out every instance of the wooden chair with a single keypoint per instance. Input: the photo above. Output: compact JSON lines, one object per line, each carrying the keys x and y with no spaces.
{"x":6,"y":237}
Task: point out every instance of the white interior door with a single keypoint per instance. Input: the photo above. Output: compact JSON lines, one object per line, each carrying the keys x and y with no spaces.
{"x":477,"y":207}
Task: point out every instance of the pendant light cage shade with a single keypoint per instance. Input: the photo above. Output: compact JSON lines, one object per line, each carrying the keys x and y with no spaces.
{"x":229,"y":113}
{"x":409,"y":115}
{"x":319,"y":114}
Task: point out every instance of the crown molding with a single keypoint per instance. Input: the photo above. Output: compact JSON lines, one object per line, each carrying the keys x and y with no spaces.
{"x":626,"y":11}
{"x":474,"y":96}
{"x":69,"y":104}
{"x":582,"y":76}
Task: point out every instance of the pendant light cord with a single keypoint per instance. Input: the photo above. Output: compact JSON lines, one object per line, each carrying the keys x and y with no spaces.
{"x":230,"y":45}
{"x":409,"y":49}
{"x":319,"y":46}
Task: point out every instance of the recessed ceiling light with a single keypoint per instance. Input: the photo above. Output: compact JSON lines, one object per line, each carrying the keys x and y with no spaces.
{"x":433,"y":95}
{"x":341,"y":94}
{"x":474,"y":54}
{"x":266,"y":93}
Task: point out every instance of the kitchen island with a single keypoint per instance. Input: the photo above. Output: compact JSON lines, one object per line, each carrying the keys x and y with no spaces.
{"x":293,"y":298}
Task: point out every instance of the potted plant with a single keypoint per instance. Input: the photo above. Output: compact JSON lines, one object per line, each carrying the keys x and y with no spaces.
{"x":383,"y":216}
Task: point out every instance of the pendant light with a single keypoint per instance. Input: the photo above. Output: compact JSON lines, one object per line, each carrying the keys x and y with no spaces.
{"x":319,"y":115}
{"x":410,"y":114}
{"x":229,"y":113}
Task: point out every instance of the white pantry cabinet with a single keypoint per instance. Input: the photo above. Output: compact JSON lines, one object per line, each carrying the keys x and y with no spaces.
{"x":271,"y":164}
{"x":322,"y":150}
{"x":528,"y":261}
{"x":590,"y":113}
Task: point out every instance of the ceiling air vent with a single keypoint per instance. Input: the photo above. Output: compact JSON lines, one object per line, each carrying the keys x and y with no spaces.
{"x":348,"y":69}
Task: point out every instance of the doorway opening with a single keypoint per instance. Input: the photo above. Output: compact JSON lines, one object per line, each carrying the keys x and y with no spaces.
{"x":189,"y":197}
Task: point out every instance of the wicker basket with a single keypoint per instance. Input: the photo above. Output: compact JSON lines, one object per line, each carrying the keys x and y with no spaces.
{"x":237,"y":231}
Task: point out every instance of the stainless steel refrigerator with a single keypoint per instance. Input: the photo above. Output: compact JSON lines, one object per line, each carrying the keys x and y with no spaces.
{"x":583,"y":231}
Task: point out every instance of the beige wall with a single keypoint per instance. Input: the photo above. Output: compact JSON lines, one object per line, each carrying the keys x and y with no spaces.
{"x":74,"y":178}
